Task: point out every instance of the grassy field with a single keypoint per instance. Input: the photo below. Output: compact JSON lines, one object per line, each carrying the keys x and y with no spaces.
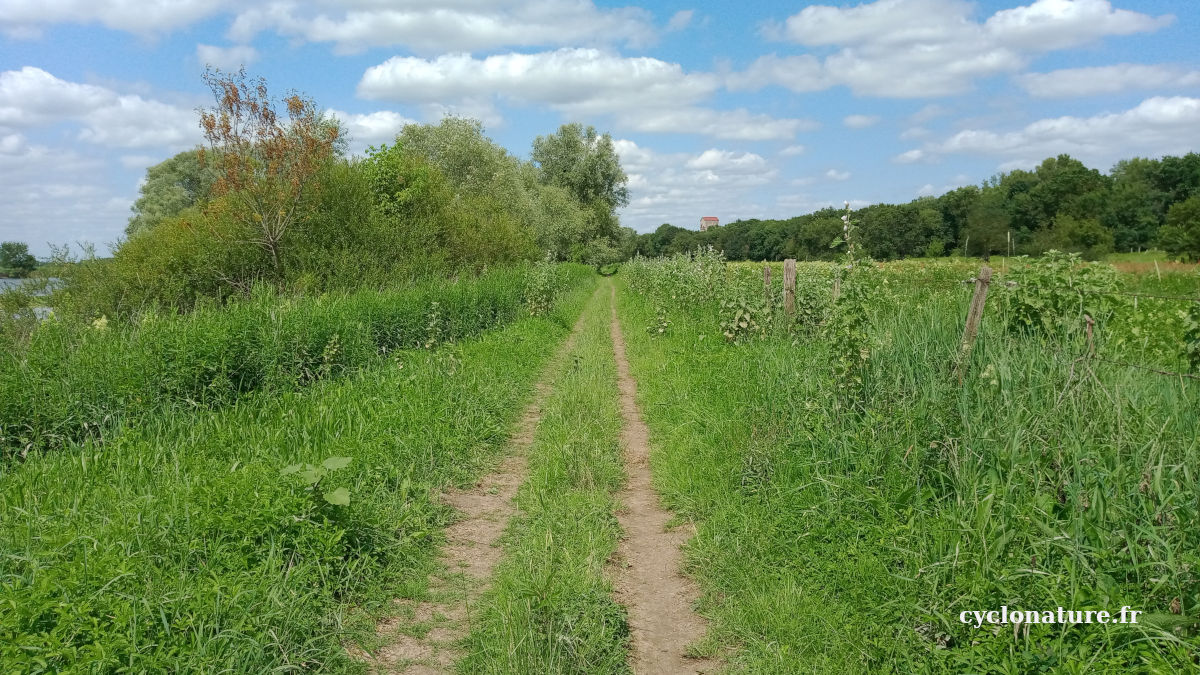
{"x":179,"y":540}
{"x":844,"y":529}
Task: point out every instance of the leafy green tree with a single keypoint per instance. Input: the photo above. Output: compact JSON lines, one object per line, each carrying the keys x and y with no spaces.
{"x":15,"y":259}
{"x":1135,"y":207}
{"x":585,"y":163}
{"x":171,"y":187}
{"x":1180,"y":236}
{"x":987,"y":224}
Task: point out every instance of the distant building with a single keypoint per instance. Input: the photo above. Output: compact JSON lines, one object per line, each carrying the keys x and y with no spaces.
{"x":708,"y":222}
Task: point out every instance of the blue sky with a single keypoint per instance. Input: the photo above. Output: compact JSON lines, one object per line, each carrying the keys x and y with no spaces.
{"x":738,"y":110}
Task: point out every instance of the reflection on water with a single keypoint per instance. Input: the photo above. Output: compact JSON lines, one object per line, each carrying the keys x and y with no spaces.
{"x":37,"y":287}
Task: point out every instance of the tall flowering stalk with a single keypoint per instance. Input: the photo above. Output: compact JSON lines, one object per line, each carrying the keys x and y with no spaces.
{"x":849,"y":322}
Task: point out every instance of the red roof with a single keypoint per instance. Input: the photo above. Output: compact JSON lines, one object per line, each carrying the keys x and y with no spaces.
{"x":709,"y":218}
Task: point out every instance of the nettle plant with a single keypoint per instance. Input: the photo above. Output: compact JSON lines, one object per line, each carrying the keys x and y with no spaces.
{"x":745,"y":320}
{"x":313,"y":478}
{"x":1191,"y":337}
{"x":1052,"y":294}
{"x":542,"y":287}
{"x":849,"y":321}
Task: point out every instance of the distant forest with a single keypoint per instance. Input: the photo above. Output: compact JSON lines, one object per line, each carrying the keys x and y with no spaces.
{"x":1062,"y":204}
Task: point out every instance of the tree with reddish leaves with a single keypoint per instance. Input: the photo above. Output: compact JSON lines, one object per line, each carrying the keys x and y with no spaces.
{"x":266,"y":165}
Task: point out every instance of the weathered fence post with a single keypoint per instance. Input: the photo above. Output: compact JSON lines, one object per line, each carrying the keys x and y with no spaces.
{"x":974,"y":316}
{"x":789,"y":285}
{"x":767,"y":283}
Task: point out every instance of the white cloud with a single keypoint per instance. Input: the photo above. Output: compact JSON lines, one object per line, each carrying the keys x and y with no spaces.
{"x":861,"y":121}
{"x":914,"y":132}
{"x":1156,"y":126}
{"x":375,"y":128}
{"x":644,"y":94}
{"x":355,"y":25}
{"x":909,"y":157}
{"x":463,"y":25}
{"x":834,"y":174}
{"x":588,"y":80}
{"x":726,"y":161}
{"x":32,"y":97}
{"x":922,"y":48}
{"x":792,"y":151}
{"x":927,"y":190}
{"x":226,"y":58}
{"x":680,"y":187}
{"x":1075,"y":82}
{"x":126,"y":15}
{"x":680,"y":20}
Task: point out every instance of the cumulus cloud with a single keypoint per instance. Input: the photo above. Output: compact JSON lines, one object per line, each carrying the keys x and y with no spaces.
{"x":680,"y":187}
{"x":642,"y":93}
{"x":1075,"y":82}
{"x":910,"y":156}
{"x":919,"y":48}
{"x":463,"y":25}
{"x":586,"y":80}
{"x":861,"y":121}
{"x":32,"y":97}
{"x":834,"y":174}
{"x":226,"y":58}
{"x":792,"y":151}
{"x":1156,"y":126}
{"x":356,"y":25}
{"x":375,"y":128}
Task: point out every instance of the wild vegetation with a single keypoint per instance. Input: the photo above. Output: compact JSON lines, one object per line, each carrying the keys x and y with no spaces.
{"x":224,"y":448}
{"x":1061,"y":205}
{"x":852,"y":495}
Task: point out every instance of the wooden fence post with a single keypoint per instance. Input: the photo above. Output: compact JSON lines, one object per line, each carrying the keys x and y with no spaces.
{"x":789,"y":285}
{"x":974,"y":316}
{"x":767,"y":283}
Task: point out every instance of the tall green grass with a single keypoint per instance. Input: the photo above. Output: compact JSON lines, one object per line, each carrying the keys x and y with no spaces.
{"x":177,"y":545}
{"x":835,"y":539}
{"x":71,"y":382}
{"x":550,"y":607}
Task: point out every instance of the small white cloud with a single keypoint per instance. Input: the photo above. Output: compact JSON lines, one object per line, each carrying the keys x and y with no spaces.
{"x":913,"y":133}
{"x":927,"y":190}
{"x":680,"y":20}
{"x":909,"y":157}
{"x":861,"y":121}
{"x":793,"y":151}
{"x":834,"y":174}
{"x":226,"y":58}
{"x":1074,"y":82}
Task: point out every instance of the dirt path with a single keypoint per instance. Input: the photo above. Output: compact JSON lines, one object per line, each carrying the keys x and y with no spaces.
{"x":649,"y":581}
{"x":470,"y":554}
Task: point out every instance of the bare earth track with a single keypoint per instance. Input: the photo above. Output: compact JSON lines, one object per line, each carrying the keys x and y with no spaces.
{"x":649,"y":579}
{"x":471,"y":551}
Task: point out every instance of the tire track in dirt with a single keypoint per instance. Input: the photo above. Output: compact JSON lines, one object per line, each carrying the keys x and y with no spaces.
{"x":649,"y":579}
{"x":471,"y":551}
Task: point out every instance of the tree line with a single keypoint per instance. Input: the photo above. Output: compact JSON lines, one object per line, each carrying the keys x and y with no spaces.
{"x":1062,"y":204}
{"x":273,"y":198}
